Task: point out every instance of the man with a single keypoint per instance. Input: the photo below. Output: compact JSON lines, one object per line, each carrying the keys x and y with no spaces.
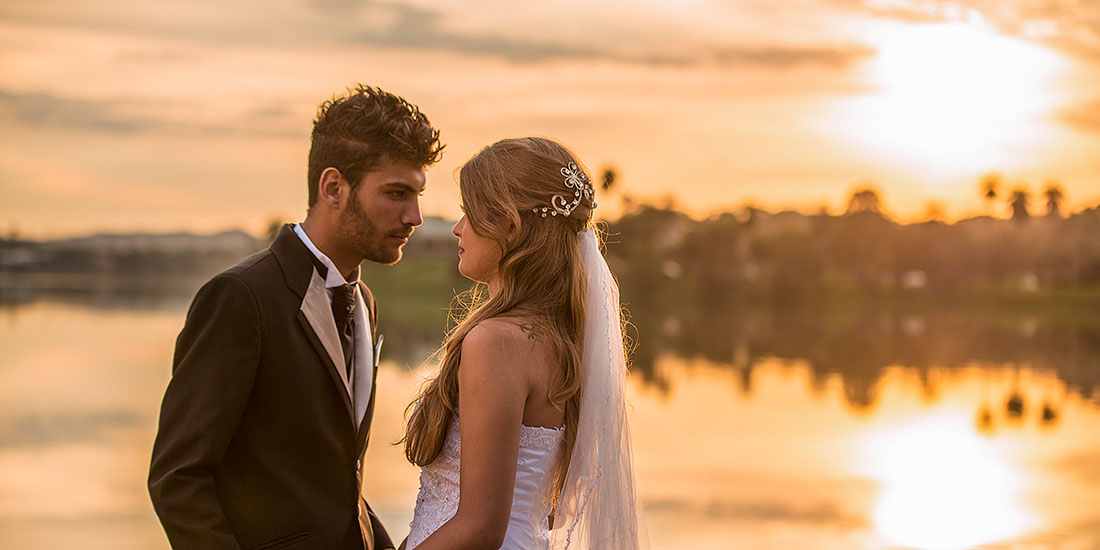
{"x":265,"y":421}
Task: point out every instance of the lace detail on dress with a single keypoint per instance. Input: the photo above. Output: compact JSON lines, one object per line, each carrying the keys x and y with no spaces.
{"x":437,"y":501}
{"x":537,"y":436}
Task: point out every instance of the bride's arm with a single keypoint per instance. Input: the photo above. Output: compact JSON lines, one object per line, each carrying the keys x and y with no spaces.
{"x":493,"y":385}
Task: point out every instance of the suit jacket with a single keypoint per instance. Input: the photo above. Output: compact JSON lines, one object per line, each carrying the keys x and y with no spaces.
{"x":258,"y":445}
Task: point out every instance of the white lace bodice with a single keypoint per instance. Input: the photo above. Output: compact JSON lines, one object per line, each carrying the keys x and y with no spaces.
{"x":528,"y":527}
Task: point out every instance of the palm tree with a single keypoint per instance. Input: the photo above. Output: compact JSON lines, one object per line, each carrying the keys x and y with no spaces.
{"x":1018,"y":201}
{"x":990,"y":186}
{"x":1054,"y":196}
{"x":608,"y":178}
{"x":864,"y":200}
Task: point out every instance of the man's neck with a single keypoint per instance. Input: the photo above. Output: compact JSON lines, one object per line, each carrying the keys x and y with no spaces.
{"x":323,"y":241}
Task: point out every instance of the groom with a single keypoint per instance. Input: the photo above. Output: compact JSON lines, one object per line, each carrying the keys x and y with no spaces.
{"x":267,"y":416}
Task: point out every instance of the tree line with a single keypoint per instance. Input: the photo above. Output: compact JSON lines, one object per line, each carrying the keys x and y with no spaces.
{"x":791,"y":253}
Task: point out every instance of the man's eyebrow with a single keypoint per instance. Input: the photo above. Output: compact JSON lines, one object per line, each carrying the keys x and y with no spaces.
{"x":394,"y":185}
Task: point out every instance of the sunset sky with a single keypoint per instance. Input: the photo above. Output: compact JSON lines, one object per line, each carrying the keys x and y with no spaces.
{"x":121,"y":115}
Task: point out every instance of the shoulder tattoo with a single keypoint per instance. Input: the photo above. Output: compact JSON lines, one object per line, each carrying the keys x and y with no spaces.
{"x":530,"y":329}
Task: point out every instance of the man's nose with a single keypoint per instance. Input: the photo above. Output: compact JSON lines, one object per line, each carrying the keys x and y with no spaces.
{"x":412,"y":215}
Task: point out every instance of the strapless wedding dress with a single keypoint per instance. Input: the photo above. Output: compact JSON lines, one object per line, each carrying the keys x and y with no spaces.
{"x":528,"y":527}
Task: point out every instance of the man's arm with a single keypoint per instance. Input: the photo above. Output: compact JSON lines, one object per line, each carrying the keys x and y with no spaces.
{"x":216,"y":357}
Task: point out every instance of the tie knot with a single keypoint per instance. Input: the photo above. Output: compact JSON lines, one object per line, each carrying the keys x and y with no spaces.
{"x":343,"y":300}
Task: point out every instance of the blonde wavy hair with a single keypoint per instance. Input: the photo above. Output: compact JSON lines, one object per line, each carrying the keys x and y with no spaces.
{"x":540,"y":277}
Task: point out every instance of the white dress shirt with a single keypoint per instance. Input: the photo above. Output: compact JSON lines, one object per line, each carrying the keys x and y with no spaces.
{"x":362,"y":373}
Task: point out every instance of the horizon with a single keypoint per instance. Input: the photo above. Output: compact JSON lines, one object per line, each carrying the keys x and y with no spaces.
{"x":739,"y":210}
{"x":126,"y":117}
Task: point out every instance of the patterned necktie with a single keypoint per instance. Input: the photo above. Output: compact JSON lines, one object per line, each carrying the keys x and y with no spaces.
{"x":343,"y":312}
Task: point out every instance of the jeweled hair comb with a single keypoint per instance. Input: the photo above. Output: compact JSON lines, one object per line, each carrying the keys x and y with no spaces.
{"x":575,"y":179}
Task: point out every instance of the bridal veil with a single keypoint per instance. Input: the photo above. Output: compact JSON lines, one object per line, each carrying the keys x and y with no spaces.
{"x":599,"y":507}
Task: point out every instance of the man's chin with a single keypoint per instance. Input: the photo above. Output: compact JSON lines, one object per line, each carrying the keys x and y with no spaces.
{"x":386,"y":257}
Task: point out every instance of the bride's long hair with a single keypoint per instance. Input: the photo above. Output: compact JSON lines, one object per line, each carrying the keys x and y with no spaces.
{"x":541,"y":277}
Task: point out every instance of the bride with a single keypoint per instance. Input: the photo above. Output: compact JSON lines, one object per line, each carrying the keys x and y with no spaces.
{"x":522,"y":435}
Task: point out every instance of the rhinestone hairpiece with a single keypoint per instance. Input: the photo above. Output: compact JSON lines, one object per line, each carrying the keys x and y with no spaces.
{"x":574,"y":179}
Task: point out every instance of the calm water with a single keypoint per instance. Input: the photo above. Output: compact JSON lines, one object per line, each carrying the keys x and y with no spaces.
{"x":757,"y":430}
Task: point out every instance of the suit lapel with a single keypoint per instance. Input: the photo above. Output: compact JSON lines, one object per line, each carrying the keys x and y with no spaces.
{"x":315,"y":316}
{"x":317,"y":319}
{"x":364,"y":359}
{"x":366,"y":370}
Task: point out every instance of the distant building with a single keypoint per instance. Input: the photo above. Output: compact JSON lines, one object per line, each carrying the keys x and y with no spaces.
{"x":18,"y":257}
{"x":433,"y":238}
{"x":172,"y":243}
{"x":131,"y":253}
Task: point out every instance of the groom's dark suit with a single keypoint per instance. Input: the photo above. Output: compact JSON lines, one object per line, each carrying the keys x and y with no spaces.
{"x":258,"y":446}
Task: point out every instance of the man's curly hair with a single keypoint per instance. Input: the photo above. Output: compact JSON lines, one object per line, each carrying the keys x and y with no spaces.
{"x":355,"y":132}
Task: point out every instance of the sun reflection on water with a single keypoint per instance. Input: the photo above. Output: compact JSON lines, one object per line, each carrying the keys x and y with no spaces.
{"x":944,"y":486}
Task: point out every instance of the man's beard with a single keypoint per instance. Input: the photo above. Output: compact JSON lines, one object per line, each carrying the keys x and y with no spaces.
{"x":360,"y":234}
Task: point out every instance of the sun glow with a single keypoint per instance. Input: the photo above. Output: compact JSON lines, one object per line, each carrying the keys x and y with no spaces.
{"x":944,"y":486}
{"x":953,"y":97}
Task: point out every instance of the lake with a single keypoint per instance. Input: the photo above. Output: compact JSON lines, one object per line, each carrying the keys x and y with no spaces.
{"x":754,"y":427}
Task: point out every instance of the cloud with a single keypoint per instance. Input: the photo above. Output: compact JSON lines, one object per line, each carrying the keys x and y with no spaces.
{"x":340,"y":6}
{"x":423,"y":29}
{"x":1083,"y":116}
{"x":1069,"y":25}
{"x":781,"y":56}
{"x":133,"y":116}
{"x":418,"y":28}
{"x":182,"y":33}
{"x":156,"y":56}
{"x":41,"y":110}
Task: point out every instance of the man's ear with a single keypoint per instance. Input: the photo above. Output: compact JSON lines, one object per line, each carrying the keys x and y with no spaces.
{"x":329,"y":188}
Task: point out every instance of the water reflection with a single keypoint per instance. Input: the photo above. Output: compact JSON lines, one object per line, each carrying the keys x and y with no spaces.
{"x":756,"y":427}
{"x":860,"y":342}
{"x":792,"y":465}
{"x":79,"y":390}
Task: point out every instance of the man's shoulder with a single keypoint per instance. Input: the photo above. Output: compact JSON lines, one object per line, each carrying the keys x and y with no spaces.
{"x":260,"y":265}
{"x":256,"y":272}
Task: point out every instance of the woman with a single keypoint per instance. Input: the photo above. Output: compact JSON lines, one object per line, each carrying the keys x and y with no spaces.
{"x":537,"y":371}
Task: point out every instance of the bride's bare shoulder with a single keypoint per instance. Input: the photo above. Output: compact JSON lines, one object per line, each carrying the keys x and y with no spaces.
{"x":501,"y":339}
{"x":502,"y":334}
